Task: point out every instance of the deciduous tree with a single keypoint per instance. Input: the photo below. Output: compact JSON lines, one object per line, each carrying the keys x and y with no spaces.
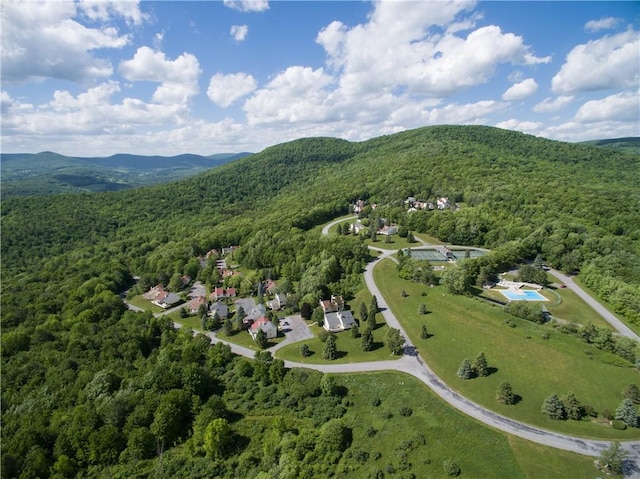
{"x":394,"y":340}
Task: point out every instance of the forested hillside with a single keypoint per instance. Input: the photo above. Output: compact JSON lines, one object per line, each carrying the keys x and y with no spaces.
{"x":88,"y":386}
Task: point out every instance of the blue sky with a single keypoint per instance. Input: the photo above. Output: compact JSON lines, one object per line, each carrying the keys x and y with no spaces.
{"x":94,"y":78}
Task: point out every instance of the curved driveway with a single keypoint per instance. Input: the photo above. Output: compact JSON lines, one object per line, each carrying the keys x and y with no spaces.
{"x":411,"y":363}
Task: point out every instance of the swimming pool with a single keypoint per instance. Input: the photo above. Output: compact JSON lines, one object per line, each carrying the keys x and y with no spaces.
{"x":523,"y":295}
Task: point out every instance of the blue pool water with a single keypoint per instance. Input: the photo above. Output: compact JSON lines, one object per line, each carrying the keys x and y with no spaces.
{"x":523,"y":295}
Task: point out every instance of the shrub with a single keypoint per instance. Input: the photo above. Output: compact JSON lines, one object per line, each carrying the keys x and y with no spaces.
{"x":376,"y":401}
{"x":451,"y":468}
{"x":619,"y":425}
{"x":406,"y":411}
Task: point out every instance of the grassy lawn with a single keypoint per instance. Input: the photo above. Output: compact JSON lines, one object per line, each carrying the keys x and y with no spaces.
{"x":541,"y":462}
{"x":243,"y":338}
{"x":142,"y":303}
{"x":462,"y":327}
{"x":192,"y":322}
{"x":480,"y":452}
{"x":428,"y":238}
{"x":348,"y":348}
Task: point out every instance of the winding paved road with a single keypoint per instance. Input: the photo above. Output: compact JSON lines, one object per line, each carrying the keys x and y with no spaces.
{"x":607,"y":315}
{"x":411,"y":363}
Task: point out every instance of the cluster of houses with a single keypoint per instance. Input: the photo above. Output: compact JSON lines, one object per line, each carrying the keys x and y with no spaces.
{"x":386,"y":230}
{"x":415,"y":205}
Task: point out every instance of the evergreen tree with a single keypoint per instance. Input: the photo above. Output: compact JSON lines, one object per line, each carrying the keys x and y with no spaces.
{"x":632,"y":392}
{"x":215,"y":322}
{"x":339,"y":230}
{"x":505,"y":395}
{"x":553,"y":407}
{"x":480,"y":365}
{"x":373,"y":305}
{"x":261,"y":339}
{"x":612,"y":458}
{"x":355,"y":332}
{"x":364,"y":314}
{"x":366,"y":341}
{"x":371,"y":322}
{"x":465,"y":371}
{"x":410,"y":237}
{"x":228,"y":326}
{"x":394,"y":340}
{"x":423,"y":332}
{"x":305,"y":352}
{"x":422,"y":309}
{"x":627,"y":413}
{"x":573,"y":408}
{"x":330,"y":351}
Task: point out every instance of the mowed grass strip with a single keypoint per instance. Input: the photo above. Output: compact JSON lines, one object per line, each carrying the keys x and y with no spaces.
{"x":462,"y":327}
{"x":541,"y":462}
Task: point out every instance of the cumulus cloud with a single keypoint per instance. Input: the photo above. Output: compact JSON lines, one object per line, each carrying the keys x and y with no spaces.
{"x":297,"y":94}
{"x":549,"y":104}
{"x":42,"y":40}
{"x":607,"y":63}
{"x":530,"y":127}
{"x":105,"y":10}
{"x":521,"y":90}
{"x":225,"y":89}
{"x":247,"y":5}
{"x":623,"y":106}
{"x":606,"y":23}
{"x":398,"y":48}
{"x":178,"y":78}
{"x":239,"y":32}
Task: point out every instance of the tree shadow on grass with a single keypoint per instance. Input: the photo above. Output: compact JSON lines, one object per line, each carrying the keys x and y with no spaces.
{"x":516,"y":399}
{"x":341,"y":354}
{"x":491,"y":370}
{"x":376,"y":345}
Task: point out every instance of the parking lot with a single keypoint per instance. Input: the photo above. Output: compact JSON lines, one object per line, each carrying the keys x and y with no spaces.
{"x":295,"y":328}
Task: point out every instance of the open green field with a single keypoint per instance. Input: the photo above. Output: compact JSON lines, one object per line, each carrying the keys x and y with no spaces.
{"x":462,"y":327}
{"x":479,"y":451}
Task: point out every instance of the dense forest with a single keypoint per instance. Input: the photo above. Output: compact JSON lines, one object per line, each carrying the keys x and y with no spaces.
{"x":89,"y":388}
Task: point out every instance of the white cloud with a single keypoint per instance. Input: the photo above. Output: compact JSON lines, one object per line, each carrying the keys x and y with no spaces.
{"x":105,"y":10}
{"x":603,"y":24}
{"x":239,"y":32}
{"x":549,"y":104}
{"x":529,"y":127}
{"x":607,"y":63}
{"x":521,"y":90}
{"x":296,"y":95}
{"x":41,"y":40}
{"x":178,"y":78}
{"x":623,"y":106}
{"x":398,"y":48}
{"x":225,"y":89}
{"x":247,"y":5}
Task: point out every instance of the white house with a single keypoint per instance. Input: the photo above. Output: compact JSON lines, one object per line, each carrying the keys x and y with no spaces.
{"x":442,"y":203}
{"x":270,"y":329}
{"x":335,"y":317}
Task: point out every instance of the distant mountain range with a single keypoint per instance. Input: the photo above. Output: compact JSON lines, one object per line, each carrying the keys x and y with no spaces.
{"x":45,"y":173}
{"x":26,"y":174}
